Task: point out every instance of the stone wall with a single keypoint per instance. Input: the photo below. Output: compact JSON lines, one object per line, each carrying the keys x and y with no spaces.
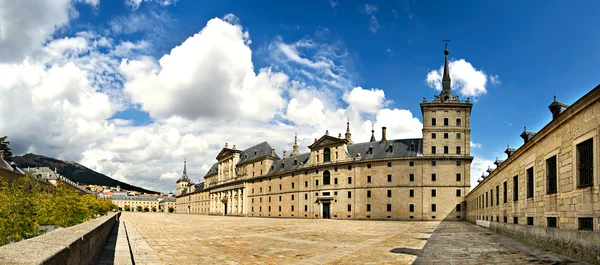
{"x":79,"y":244}
{"x":577,"y":244}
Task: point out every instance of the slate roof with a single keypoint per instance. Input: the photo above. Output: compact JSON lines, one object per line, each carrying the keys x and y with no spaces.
{"x":260,"y":150}
{"x":212,"y":170}
{"x":169,"y":199}
{"x":12,"y":167}
{"x":133,"y":198}
{"x":400,"y":148}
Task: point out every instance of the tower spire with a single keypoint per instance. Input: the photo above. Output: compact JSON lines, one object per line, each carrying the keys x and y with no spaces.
{"x":185,"y":166}
{"x":348,"y":134}
{"x":295,"y":151}
{"x":446,"y":93}
{"x":372,"y":133}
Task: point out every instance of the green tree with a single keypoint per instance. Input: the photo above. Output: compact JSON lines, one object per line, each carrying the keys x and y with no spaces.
{"x":4,"y":147}
{"x":171,"y":209}
{"x":138,"y":209}
{"x":146,"y":209}
{"x":153,"y":208}
{"x":126,"y":208}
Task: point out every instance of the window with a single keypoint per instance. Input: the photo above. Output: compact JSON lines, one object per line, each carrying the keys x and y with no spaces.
{"x":492,"y":197}
{"x":292,"y":197}
{"x":389,"y":178}
{"x":586,"y":223}
{"x":306,"y":196}
{"x":433,"y":122}
{"x":326,"y":177}
{"x":349,"y":207}
{"x":389,"y":207}
{"x":305,"y":208}
{"x":458,"y":122}
{"x":445,"y":135}
{"x":389,"y":164}
{"x":279,"y":198}
{"x":368,"y":165}
{"x":349,"y":167}
{"x":551,"y":175}
{"x":368,"y":179}
{"x":269,"y":198}
{"x":368,"y":207}
{"x":445,"y":149}
{"x":505,"y":219}
{"x":349,"y":180}
{"x":306,"y":184}
{"x":458,"y":192}
{"x":529,"y":220}
{"x":292,"y":185}
{"x":335,"y":169}
{"x":316,"y":182}
{"x":433,"y":177}
{"x":458,"y":207}
{"x":279,"y":186}
{"x":515,"y":188}
{"x":269,"y":208}
{"x":497,"y":194}
{"x":292,"y":208}
{"x":412,"y":193}
{"x":260,"y":190}
{"x":349,"y":194}
{"x":335,"y":181}
{"x":411,"y":208}
{"x":530,"y":182}
{"x":585,"y":164}
{"x":389,"y":193}
{"x":433,"y":150}
{"x":433,"y":193}
{"x":252,"y":190}
{"x":458,"y":163}
{"x":551,"y":221}
{"x":486,"y":199}
{"x":433,"y":163}
{"x":411,"y":163}
{"x":433,"y":135}
{"x":446,"y":122}
{"x":504,"y":195}
{"x":516,"y":220}
{"x":411,"y":177}
{"x":433,"y":207}
{"x":458,"y":136}
{"x":458,"y":151}
{"x":458,"y":177}
{"x":368,"y":194}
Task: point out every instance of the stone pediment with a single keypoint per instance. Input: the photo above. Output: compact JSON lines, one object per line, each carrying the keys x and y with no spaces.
{"x":327,"y":141}
{"x":226,"y":152}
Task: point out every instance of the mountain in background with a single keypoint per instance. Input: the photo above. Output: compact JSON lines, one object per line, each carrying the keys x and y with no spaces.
{"x":73,"y":171}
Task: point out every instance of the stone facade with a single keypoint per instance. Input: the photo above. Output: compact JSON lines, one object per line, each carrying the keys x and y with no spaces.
{"x":550,"y":182}
{"x":134,"y":201}
{"x":399,"y":179}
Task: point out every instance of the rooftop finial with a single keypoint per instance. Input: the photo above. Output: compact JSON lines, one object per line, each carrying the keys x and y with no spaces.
{"x":554,"y":96}
{"x":185,"y":166}
{"x":348,"y":134}
{"x":372,"y":132}
{"x":295,"y":151}
{"x":446,"y":93}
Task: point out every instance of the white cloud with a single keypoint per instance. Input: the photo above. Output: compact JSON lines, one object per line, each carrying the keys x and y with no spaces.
{"x":466,"y":80}
{"x":370,"y":10}
{"x":478,"y":167}
{"x":475,"y":145}
{"x":362,"y":100}
{"x":333,"y":3}
{"x":400,"y":123}
{"x":135,"y":4}
{"x":212,"y":67}
{"x":25,"y":24}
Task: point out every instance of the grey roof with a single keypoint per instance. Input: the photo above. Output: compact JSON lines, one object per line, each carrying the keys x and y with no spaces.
{"x":260,"y":150}
{"x":400,"y":148}
{"x":168,"y":199}
{"x":10,"y":167}
{"x":134,"y":198}
{"x":197,"y":188}
{"x":288,"y":164}
{"x":212,"y":170}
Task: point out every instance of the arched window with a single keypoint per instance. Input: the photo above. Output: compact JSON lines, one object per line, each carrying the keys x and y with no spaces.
{"x":326,"y":155}
{"x":326,"y":177}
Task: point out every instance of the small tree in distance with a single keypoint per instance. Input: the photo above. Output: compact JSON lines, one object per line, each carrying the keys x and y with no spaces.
{"x":171,"y":209}
{"x":146,"y":209}
{"x":154,"y":209}
{"x":138,"y":209}
{"x":127,"y":209}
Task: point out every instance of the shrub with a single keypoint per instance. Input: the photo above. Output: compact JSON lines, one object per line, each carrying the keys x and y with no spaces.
{"x":146,"y":209}
{"x":154,"y":209}
{"x":138,"y":209}
{"x":171,"y":209}
{"x":127,"y":209}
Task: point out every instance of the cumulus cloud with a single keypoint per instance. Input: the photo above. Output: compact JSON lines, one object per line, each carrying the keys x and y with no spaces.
{"x":195,"y":79}
{"x":475,"y":145}
{"x":466,"y":79}
{"x":478,"y":167}
{"x":364,"y":100}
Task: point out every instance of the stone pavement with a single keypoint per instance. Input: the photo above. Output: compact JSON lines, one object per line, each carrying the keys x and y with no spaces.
{"x":116,"y":250}
{"x":158,"y":238}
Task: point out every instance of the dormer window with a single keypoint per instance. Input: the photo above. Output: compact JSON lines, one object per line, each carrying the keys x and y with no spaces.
{"x":295,"y":162}
{"x":254,"y":152}
{"x":370,"y":149}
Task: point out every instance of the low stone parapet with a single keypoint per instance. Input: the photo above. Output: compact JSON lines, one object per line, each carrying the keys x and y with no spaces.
{"x":582,"y":245}
{"x":79,"y":244}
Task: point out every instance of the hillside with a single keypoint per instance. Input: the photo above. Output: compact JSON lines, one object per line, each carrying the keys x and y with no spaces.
{"x":73,"y":171}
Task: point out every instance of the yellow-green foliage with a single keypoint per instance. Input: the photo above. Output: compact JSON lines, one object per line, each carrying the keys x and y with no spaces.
{"x":26,"y":204}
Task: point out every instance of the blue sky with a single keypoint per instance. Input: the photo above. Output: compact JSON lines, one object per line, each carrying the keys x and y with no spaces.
{"x":325,"y":60}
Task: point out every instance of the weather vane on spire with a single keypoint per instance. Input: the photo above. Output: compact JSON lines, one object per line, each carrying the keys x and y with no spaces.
{"x":446,"y":41}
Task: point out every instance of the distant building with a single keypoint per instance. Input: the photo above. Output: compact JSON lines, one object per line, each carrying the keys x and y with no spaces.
{"x":132,"y":202}
{"x":9,"y":170}
{"x":165,"y":203}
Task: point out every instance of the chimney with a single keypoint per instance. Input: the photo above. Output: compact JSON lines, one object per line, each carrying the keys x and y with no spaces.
{"x":383,"y":133}
{"x":273,"y":152}
{"x":226,"y":145}
{"x":284,"y":154}
{"x":234,"y":147}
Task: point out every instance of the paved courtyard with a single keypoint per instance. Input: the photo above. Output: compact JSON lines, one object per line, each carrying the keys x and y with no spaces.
{"x":198,"y":239}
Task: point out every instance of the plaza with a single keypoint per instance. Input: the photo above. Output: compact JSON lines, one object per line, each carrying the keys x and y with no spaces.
{"x":162,"y":238}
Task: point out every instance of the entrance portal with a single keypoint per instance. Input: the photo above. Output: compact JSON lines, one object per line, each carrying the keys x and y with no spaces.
{"x":225,"y":209}
{"x":326,"y":211}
